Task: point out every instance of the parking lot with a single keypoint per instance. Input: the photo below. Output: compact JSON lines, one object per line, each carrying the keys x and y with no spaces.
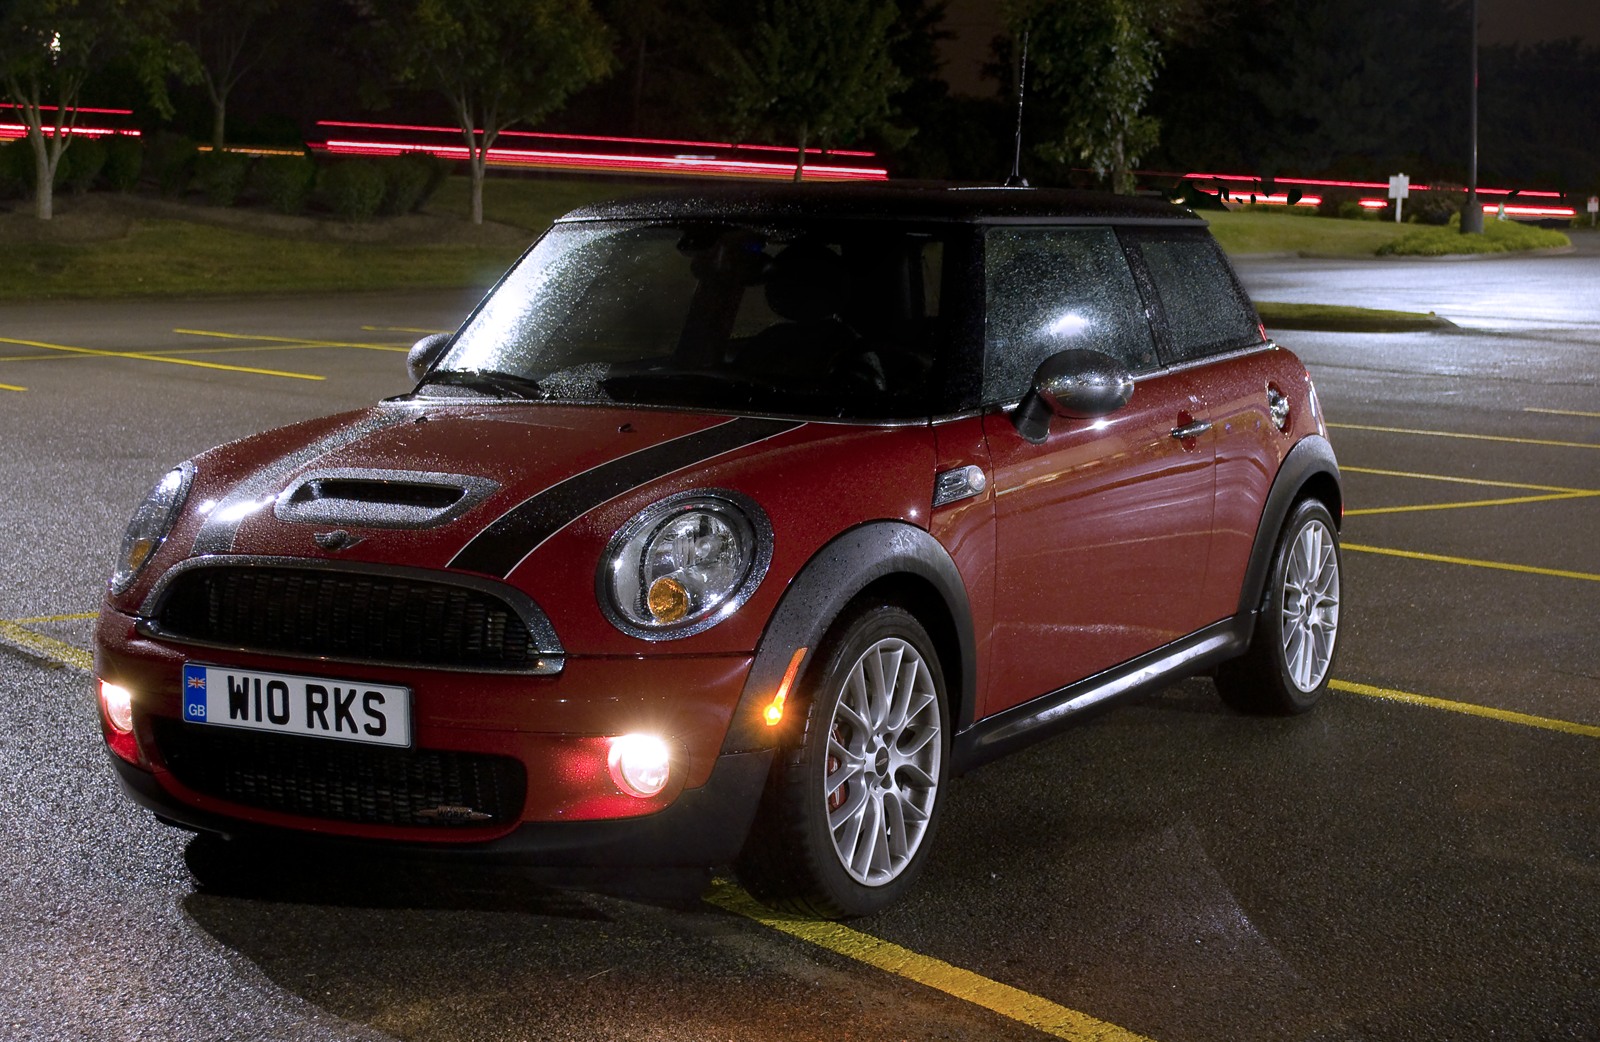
{"x":1419,"y":858}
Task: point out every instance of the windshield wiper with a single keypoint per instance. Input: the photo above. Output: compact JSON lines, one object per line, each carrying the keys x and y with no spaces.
{"x":491,"y":381}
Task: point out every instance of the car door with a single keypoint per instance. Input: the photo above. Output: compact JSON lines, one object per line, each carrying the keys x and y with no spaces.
{"x":1103,"y":528}
{"x":1208,"y":328}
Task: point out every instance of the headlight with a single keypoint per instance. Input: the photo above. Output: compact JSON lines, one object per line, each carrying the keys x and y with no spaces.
{"x":684,"y":564}
{"x":150,"y":525}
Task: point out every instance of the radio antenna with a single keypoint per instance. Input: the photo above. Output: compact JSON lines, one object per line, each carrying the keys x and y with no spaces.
{"x":1016,"y":180}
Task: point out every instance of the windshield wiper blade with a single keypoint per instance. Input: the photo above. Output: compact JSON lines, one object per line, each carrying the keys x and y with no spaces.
{"x":489,"y":380}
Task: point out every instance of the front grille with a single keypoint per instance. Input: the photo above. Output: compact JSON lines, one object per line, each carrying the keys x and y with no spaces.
{"x":347,"y":615}
{"x":343,"y":781}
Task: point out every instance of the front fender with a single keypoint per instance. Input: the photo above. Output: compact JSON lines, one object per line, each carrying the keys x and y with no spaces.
{"x":836,"y":575}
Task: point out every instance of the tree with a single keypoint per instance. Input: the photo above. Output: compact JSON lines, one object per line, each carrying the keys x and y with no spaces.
{"x":1094,"y":63}
{"x":48,"y":49}
{"x":815,"y":70}
{"x":497,"y":62}
{"x":1338,"y":84}
{"x":219,"y":35}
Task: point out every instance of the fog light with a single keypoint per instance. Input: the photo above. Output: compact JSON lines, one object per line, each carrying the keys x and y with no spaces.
{"x":639,"y":764}
{"x":117,"y":701}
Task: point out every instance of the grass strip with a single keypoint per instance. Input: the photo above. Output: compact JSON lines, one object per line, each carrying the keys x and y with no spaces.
{"x":1339,"y":318}
{"x":178,"y":259}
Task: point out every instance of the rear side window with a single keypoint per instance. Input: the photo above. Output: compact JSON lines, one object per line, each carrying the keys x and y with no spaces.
{"x":1205,"y":310}
{"x":1051,"y":289}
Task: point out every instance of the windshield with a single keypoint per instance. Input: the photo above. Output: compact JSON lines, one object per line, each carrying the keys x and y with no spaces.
{"x":802,"y":320}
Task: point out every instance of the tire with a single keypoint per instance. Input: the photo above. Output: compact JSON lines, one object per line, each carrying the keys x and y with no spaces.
{"x":850,"y":812}
{"x":1286,"y":669}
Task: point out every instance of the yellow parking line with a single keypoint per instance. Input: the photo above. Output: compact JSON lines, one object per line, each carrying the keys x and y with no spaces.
{"x":74,"y":617}
{"x":11,"y":387}
{"x":1469,"y":437}
{"x":185,"y":352}
{"x":1463,"y":481}
{"x":299,"y":341}
{"x":1013,"y":1003}
{"x":403,"y":329}
{"x":47,"y":648}
{"x":1564,"y":412}
{"x":1472,"y":503}
{"x":1503,"y":715}
{"x":143,"y":357}
{"x":1470,"y":562}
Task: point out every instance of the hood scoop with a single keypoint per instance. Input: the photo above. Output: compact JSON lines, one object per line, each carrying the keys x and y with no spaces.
{"x":380,"y":498}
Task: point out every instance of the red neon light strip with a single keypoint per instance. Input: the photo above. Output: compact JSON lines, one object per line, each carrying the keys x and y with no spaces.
{"x":597,"y":161}
{"x":14,"y":131}
{"x":1381,"y":185}
{"x":1491,"y":208}
{"x":80,"y":108}
{"x":590,"y":137}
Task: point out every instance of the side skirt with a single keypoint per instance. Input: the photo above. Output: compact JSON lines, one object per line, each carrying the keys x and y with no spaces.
{"x":995,"y":736}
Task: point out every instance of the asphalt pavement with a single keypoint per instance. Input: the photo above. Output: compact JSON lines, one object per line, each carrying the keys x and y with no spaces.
{"x":1417,"y":859}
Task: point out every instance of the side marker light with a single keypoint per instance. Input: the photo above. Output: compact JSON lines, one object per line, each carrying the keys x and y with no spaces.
{"x":773,"y":714}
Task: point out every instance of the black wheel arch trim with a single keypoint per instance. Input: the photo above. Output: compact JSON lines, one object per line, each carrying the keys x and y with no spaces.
{"x":1310,"y":462}
{"x":834,"y":577}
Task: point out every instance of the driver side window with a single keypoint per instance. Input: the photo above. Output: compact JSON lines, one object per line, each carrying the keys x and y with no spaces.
{"x":1052,"y":289}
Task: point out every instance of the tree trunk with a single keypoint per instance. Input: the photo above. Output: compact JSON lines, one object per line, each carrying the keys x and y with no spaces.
{"x":800,"y":163}
{"x":46,"y":157}
{"x":219,"y":121}
{"x":479,"y":155}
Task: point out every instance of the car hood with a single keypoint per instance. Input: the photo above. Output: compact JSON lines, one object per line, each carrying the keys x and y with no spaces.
{"x":475,"y":488}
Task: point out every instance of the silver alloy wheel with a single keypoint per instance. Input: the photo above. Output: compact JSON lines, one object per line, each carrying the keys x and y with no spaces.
{"x":884,"y":745}
{"x":1310,"y":605}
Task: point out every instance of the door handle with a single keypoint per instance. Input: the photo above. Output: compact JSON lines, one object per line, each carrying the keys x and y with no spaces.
{"x":1193,"y":430}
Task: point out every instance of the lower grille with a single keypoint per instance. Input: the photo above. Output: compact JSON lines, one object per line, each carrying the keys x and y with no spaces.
{"x":343,"y":781}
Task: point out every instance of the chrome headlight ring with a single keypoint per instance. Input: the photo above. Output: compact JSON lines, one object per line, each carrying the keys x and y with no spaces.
{"x":683,"y":564}
{"x":151,"y":522}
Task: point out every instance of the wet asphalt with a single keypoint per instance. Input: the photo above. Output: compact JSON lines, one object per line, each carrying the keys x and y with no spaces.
{"x":1375,"y":870}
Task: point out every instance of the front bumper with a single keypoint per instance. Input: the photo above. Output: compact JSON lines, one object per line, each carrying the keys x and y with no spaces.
{"x":703,"y":827}
{"x":566,"y":809}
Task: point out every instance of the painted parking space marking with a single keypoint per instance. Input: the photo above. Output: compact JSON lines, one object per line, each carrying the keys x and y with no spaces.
{"x":1012,"y":1003}
{"x":403,"y":329}
{"x":11,"y":387}
{"x":148,"y":357}
{"x":1528,"y":569}
{"x":15,"y":633}
{"x":1488,"y":712}
{"x":1469,"y":504}
{"x":1563,"y":412}
{"x":296,"y":341}
{"x":1466,"y":436}
{"x":1482,"y":482}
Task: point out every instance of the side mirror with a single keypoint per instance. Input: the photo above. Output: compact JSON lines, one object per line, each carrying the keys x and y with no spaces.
{"x":424,"y":353}
{"x":1076,"y":384}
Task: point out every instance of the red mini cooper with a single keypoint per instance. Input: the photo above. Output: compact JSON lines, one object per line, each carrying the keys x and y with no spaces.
{"x":730,"y":527}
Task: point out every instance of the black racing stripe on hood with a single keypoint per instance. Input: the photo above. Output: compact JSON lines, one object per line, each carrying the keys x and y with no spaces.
{"x":503,"y":545}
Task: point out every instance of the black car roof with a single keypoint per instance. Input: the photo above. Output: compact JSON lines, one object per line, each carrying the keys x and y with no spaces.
{"x":888,"y":200}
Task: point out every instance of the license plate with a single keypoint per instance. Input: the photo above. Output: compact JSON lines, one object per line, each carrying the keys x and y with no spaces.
{"x":315,"y":707}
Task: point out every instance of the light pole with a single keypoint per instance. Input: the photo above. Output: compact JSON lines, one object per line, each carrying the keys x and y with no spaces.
{"x":1472,"y":212}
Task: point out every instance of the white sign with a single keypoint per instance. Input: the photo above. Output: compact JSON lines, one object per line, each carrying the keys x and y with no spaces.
{"x":1399,"y":190}
{"x":1594,"y":204}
